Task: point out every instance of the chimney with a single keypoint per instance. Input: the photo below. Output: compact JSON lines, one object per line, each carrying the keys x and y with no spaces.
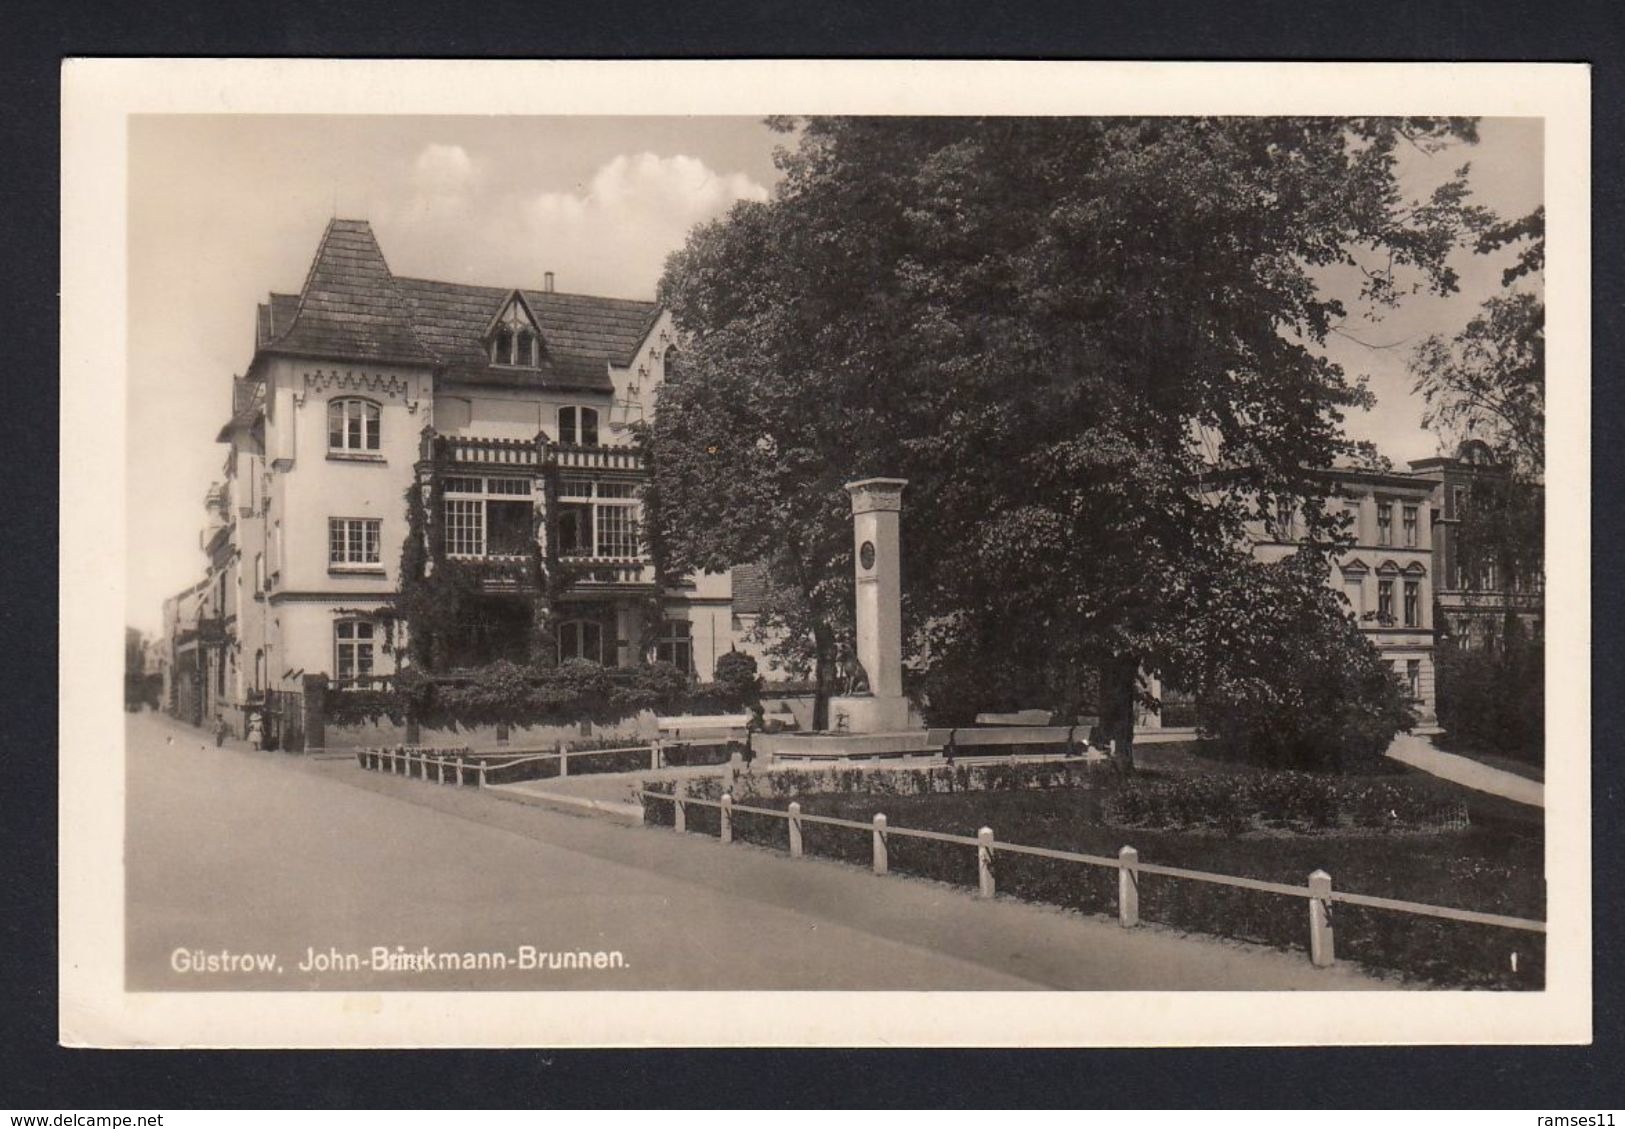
{"x":547,"y":282}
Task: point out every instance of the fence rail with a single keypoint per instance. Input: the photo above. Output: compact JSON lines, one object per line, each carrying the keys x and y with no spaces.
{"x":1318,"y":891}
{"x":465,"y":766}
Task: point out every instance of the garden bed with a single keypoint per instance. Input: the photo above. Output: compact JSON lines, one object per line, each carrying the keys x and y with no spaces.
{"x":1478,"y":868}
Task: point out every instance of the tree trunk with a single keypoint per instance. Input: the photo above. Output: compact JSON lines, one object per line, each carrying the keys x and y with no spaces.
{"x":823,"y":674}
{"x":1119,"y":682}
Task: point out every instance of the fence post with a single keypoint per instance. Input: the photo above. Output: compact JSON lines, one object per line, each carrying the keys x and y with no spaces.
{"x":880,"y":843}
{"x":440,"y":764}
{"x":482,"y":773}
{"x":984,"y":862}
{"x":795,"y":830}
{"x":654,"y":755}
{"x":679,"y":819}
{"x":1128,"y":887}
{"x":564,"y":760}
{"x":459,"y":770}
{"x":1322,"y":952}
{"x":727,"y":810}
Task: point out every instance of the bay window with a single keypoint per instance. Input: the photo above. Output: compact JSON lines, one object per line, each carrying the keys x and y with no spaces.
{"x":597,"y":519}
{"x":488,"y":517}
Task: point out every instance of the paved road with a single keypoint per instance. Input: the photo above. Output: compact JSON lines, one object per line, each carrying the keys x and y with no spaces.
{"x":233,"y":854}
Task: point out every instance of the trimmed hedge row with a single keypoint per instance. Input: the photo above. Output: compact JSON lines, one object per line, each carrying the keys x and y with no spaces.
{"x":1290,"y":801}
{"x":1470,"y":868}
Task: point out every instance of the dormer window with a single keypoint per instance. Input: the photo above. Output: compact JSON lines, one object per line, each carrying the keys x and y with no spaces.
{"x":514,"y":339}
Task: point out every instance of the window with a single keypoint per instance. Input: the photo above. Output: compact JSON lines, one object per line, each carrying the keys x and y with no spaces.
{"x":1385,"y":601}
{"x":1413,"y":603}
{"x":1410,"y":526}
{"x":1458,"y":497}
{"x":578,"y":426}
{"x":352,"y":541}
{"x":1354,"y":589}
{"x":1385,"y":523}
{"x":259,"y":572}
{"x":581,"y":639}
{"x":352,"y":643}
{"x":514,"y":341}
{"x":1283,"y":520}
{"x":597,"y":519}
{"x":488,"y":517}
{"x":1413,"y":678}
{"x":675,"y":645}
{"x":352,"y":426}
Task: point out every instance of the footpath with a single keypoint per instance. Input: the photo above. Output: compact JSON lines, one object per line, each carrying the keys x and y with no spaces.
{"x":1419,"y":753}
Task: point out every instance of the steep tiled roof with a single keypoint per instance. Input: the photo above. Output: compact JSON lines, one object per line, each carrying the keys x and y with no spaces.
{"x":247,"y":401}
{"x":581,"y":335}
{"x":750,"y":589}
{"x":275,"y":317}
{"x":349,"y":306}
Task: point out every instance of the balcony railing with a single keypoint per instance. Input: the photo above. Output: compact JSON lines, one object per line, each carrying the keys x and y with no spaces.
{"x":474,"y":451}
{"x":480,"y":451}
{"x":568,"y":457}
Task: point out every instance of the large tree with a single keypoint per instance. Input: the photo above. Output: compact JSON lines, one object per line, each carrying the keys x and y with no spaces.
{"x":1488,"y":382}
{"x":1054,"y":328}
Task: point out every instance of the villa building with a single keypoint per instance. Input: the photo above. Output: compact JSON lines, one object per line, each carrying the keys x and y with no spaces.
{"x":508,"y":413}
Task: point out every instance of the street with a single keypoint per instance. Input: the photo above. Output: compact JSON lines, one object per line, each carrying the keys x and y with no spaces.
{"x":249,"y":870}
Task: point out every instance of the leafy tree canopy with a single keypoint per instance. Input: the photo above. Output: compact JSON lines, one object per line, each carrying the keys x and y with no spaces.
{"x":1053,"y":328}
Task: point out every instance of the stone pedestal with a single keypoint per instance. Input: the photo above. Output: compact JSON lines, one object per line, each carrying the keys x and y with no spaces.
{"x":876,"y":503}
{"x":867,"y":713}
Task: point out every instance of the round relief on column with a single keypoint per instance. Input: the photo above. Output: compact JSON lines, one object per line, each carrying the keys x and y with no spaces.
{"x":866,"y":554}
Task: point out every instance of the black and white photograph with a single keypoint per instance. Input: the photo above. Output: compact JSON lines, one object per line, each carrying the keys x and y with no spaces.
{"x":1009,"y":563}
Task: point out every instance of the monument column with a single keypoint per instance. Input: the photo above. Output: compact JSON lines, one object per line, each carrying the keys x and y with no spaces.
{"x":876,"y":504}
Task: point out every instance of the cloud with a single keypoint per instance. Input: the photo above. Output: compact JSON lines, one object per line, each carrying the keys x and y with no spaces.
{"x":443,"y":170}
{"x":466,"y":219}
{"x":636,"y":209}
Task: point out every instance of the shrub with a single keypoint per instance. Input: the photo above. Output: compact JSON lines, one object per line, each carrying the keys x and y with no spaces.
{"x":736,"y":680}
{"x":1495,"y":700}
{"x":1284,"y":676}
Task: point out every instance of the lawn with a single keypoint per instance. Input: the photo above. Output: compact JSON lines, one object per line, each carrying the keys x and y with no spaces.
{"x":1495,"y":865}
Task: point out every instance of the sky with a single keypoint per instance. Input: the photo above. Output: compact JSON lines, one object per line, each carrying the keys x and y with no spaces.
{"x":226,"y":208}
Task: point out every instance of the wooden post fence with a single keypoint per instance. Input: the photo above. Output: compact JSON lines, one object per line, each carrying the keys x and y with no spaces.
{"x":984,"y":863}
{"x":1322,"y":951}
{"x":1318,"y":892}
{"x":1128,"y":887}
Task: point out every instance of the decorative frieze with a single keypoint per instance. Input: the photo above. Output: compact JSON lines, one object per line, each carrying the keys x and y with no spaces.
{"x":377,"y":384}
